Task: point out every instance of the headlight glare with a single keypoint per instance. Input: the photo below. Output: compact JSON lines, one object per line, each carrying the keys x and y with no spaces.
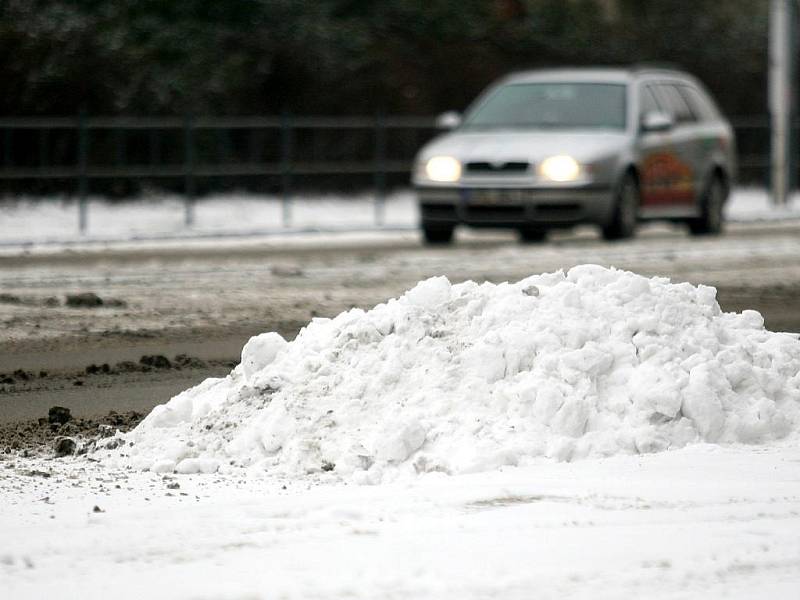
{"x":443,"y":169}
{"x":560,"y":168}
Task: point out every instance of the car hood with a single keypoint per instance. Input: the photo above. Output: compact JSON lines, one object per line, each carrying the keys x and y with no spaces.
{"x":531,"y":146}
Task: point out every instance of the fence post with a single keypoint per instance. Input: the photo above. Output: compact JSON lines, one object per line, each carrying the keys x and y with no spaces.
{"x":379,"y":174}
{"x":7,"y":133}
{"x":43,"y":147}
{"x":286,"y":168}
{"x":83,"y":180}
{"x":188,"y":170}
{"x":154,"y":147}
{"x":120,"y":150}
{"x":254,"y":146}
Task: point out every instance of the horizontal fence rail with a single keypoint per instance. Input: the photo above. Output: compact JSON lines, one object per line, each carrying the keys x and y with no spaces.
{"x":254,"y":122}
{"x":180,"y":151}
{"x":189,"y":164}
{"x":221,"y":170}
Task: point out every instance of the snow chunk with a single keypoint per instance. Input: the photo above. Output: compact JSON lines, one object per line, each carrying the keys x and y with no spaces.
{"x":429,"y":293}
{"x":260,"y":351}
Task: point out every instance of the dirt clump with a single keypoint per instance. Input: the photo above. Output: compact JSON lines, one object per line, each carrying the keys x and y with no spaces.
{"x":156,"y":361}
{"x":45,"y":438}
{"x":184,"y":361}
{"x":83,"y":300}
{"x":127,"y":366}
{"x":94,"y":369}
{"x":59,"y":414}
{"x":64,"y":446}
{"x":92,"y":300}
{"x":22,"y":375}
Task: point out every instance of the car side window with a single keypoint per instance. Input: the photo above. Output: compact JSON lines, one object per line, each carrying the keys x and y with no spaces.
{"x":699,"y":103}
{"x":675,"y":103}
{"x":648,"y":102}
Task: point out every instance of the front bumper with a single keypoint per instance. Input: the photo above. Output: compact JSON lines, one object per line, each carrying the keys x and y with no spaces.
{"x":513,"y":207}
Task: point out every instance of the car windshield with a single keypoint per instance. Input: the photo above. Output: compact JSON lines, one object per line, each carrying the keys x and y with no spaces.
{"x":551,"y":106}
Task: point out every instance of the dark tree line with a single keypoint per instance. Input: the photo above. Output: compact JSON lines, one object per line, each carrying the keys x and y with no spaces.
{"x":351,"y":56}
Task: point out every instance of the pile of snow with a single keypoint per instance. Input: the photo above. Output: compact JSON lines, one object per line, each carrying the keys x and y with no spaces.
{"x":468,"y":377}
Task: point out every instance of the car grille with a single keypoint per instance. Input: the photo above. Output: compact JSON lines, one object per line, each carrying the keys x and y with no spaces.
{"x":494,"y":213}
{"x":506,"y":168}
{"x":558,"y":211}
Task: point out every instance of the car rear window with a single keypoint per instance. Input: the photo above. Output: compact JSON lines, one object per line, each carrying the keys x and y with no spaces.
{"x":699,"y":103}
{"x":551,"y":106}
{"x":670,"y":97}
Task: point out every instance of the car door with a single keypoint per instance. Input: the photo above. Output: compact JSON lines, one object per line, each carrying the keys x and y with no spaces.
{"x":685,"y":149}
{"x":656,"y":156}
{"x":710,"y":140}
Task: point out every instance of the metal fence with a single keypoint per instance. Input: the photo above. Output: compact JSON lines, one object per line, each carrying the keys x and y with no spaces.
{"x":75,"y":153}
{"x":266,"y":147}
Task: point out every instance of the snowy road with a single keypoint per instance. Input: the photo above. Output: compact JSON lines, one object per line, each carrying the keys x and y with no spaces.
{"x":284,"y":281}
{"x":702,"y":522}
{"x":206,"y":298}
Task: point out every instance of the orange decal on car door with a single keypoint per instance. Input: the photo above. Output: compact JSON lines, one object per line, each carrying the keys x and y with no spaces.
{"x":666,"y":180}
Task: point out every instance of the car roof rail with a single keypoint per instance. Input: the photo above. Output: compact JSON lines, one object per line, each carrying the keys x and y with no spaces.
{"x":656,"y":66}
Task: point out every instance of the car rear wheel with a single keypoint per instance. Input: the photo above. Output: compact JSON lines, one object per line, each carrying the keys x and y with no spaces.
{"x":437,"y":234}
{"x":710,"y":221}
{"x":626,"y":208}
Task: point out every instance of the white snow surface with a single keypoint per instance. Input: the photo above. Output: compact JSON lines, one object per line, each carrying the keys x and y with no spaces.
{"x":706,"y":521}
{"x":33,"y":220}
{"x":472,"y":377}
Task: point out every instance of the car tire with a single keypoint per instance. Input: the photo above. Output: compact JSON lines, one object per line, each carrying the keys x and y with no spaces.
{"x":437,"y":234}
{"x":626,"y":208}
{"x":531,"y":235}
{"x":711,"y":219}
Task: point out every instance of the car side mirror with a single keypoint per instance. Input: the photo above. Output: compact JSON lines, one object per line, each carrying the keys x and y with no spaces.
{"x":448,"y":120}
{"x":657,"y":121}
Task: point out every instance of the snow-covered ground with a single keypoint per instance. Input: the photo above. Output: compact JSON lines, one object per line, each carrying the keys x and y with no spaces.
{"x":701,"y":522}
{"x":539,"y":439}
{"x":56,"y":219}
{"x":27,"y":220}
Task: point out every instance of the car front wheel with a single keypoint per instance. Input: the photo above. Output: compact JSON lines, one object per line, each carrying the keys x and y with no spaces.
{"x":531,"y":235}
{"x":626,"y":208}
{"x":437,"y":234}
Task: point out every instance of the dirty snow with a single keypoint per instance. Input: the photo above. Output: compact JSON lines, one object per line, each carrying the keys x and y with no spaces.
{"x":472,"y":377}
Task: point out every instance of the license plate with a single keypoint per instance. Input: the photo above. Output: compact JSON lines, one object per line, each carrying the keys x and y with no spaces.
{"x":493,"y":197}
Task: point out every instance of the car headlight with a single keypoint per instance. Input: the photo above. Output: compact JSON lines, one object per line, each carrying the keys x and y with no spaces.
{"x":443,"y":169}
{"x":560,"y":168}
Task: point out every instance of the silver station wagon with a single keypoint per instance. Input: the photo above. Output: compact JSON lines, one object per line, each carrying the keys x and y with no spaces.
{"x":551,"y":149}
